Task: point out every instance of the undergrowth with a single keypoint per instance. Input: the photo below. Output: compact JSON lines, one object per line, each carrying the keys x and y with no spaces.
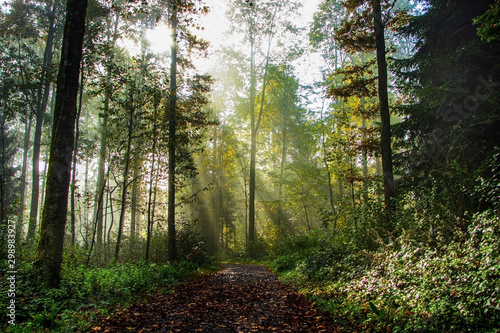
{"x":87,"y":292}
{"x":407,"y":286}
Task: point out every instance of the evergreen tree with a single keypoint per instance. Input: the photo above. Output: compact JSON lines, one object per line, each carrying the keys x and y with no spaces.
{"x":451,"y":115}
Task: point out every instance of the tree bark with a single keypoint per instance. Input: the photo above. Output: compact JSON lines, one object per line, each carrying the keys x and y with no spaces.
{"x":75,"y":160}
{"x":152,"y":182}
{"x":48,"y":256}
{"x":255,"y":124}
{"x":253,"y":148}
{"x":284,"y":154}
{"x":125,"y":175}
{"x":134,"y":201}
{"x":43,"y":97}
{"x":22,"y":204}
{"x":171,"y":241}
{"x":99,"y":206}
{"x":385,"y":118}
{"x":3,"y":181}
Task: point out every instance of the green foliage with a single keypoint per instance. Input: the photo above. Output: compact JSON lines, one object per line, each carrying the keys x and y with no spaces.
{"x":295,"y":249}
{"x":192,"y":245}
{"x":47,"y":318}
{"x":489,"y":182}
{"x":488,"y":27}
{"x":410,"y":285}
{"x":85,"y":289}
{"x":451,"y":104}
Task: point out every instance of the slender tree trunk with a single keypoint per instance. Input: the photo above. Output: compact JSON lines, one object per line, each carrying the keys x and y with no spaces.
{"x":92,"y":242}
{"x":121,"y":220}
{"x":84,"y":218}
{"x":216,"y":215}
{"x":44,"y":178}
{"x":340,"y":183}
{"x":353,"y":198}
{"x":364,"y":156}
{"x":327,"y":167}
{"x":151,"y":181}
{"x":22,"y":200}
{"x":99,"y":206}
{"x":111,"y":222}
{"x":48,"y":256}
{"x":134,"y":204}
{"x":172,"y":248}
{"x":307,"y":215}
{"x":221,"y":203}
{"x":284,"y":153}
{"x":253,"y":139}
{"x":385,"y":118}
{"x":255,"y":124}
{"x":246,"y":213}
{"x":75,"y":155}
{"x":43,"y":97}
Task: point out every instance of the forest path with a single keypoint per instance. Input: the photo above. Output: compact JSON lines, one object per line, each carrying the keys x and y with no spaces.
{"x":238,"y":298}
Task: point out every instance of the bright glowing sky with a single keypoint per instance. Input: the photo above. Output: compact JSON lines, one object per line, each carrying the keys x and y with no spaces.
{"x":215,"y":25}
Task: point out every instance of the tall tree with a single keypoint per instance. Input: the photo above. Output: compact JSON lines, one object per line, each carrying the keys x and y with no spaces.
{"x":42,"y":101}
{"x":172,"y":248}
{"x":363,"y":30}
{"x":127,"y":158}
{"x":385,"y":117}
{"x":112,"y":24}
{"x":48,"y":256}
{"x":7,"y":171}
{"x":451,"y":109}
{"x":265,"y":22}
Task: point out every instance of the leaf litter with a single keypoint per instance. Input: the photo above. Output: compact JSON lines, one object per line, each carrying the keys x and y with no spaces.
{"x":238,"y":298}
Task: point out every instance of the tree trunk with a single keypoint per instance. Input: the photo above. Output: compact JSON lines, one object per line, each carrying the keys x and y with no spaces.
{"x":48,"y":256}
{"x":253,"y":138}
{"x":43,"y":97}
{"x":385,"y":118}
{"x":255,"y":124}
{"x":22,"y":204}
{"x":99,"y":206}
{"x":151,"y":181}
{"x":121,"y":220}
{"x":75,"y":155}
{"x":44,"y":178}
{"x":134,"y":204}
{"x":364,"y":156}
{"x":172,"y":248}
{"x":327,"y":165}
{"x":284,"y":153}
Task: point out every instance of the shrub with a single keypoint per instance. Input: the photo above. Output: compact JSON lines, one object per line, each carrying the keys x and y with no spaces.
{"x":411,"y":286}
{"x":84,"y":287}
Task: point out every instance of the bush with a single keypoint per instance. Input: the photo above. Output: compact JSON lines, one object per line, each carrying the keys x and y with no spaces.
{"x":414,"y":287}
{"x":85,"y":287}
{"x":191,"y":245}
{"x":295,"y":249}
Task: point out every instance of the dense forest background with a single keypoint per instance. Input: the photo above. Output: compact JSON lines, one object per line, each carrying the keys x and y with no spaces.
{"x":357,"y":153}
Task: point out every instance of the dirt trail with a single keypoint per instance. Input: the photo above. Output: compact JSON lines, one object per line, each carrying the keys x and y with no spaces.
{"x":238,"y":298}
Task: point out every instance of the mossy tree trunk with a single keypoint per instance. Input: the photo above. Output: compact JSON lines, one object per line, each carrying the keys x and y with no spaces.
{"x":48,"y":256}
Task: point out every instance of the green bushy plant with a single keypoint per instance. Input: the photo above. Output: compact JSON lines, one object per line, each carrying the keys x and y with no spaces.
{"x":192,"y":245}
{"x":86,"y":287}
{"x":291,"y":251}
{"x":412,"y":286}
